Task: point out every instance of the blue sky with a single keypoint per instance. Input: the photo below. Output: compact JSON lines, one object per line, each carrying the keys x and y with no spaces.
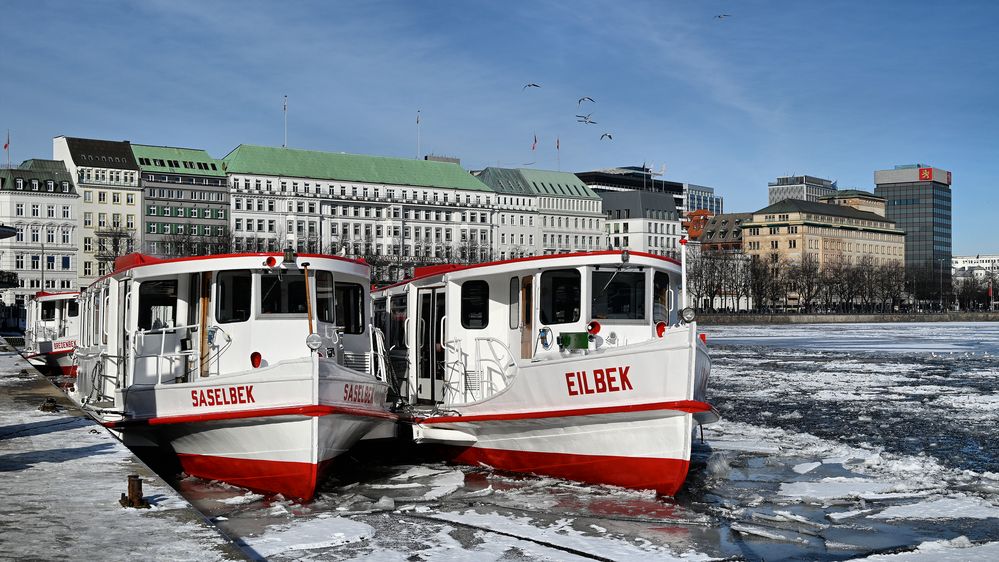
{"x":833,"y":89}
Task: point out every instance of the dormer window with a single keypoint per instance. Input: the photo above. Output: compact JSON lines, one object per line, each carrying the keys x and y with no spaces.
{"x":34,"y":185}
{"x":19,"y":183}
{"x":49,"y":185}
{"x":65,"y":186}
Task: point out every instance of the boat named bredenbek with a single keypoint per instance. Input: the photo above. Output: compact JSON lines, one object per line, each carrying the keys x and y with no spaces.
{"x":583,"y":366}
{"x":257,"y":369}
{"x":52,"y":328}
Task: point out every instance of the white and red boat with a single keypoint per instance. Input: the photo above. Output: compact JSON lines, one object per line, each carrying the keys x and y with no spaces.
{"x":52,"y":328}
{"x":582,"y":366}
{"x":257,"y":369}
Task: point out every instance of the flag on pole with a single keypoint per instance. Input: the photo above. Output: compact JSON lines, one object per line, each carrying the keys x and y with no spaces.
{"x":7,"y":144}
{"x":990,"y":288}
{"x":556,"y":143}
{"x":535,"y":143}
{"x":417,"y":116}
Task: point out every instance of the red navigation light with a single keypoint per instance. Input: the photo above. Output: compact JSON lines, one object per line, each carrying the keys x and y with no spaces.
{"x":660,"y":329}
{"x":255,"y":359}
{"x":593,"y":328}
{"x":704,"y":338}
{"x":271,"y":261}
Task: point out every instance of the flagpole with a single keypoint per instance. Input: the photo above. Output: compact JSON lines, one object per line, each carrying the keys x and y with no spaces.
{"x":558,"y":154}
{"x":285,"y":122}
{"x":417,"y":134}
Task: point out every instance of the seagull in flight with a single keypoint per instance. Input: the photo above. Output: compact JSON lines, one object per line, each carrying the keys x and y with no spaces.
{"x":586,"y":119}
{"x":722,"y":16}
{"x":531,"y":85}
{"x":585,"y":98}
{"x":608,"y":135}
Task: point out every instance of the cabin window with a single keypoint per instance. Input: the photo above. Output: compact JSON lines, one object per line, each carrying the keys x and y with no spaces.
{"x":560,"y":296}
{"x":48,"y":310}
{"x":474,"y":305}
{"x":282,"y":293}
{"x":324,"y":297}
{"x":350,"y":307}
{"x":73,"y":309}
{"x":514,"y":303}
{"x":661,"y":305}
{"x":233,"y":290}
{"x":397,"y":322}
{"x":379,"y":314}
{"x":618,"y":295}
{"x":158,"y":304}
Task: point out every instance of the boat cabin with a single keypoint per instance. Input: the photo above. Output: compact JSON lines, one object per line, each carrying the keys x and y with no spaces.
{"x":458,"y":334}
{"x":52,"y":317}
{"x":188,"y":320}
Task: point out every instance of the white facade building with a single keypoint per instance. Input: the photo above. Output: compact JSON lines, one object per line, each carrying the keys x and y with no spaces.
{"x":981,"y":266}
{"x":38,"y":199}
{"x":393,"y":212}
{"x":642,"y":221}
{"x":107,"y":178}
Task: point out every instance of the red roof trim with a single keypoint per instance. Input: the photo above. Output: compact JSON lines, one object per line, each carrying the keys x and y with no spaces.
{"x":688,"y":406}
{"x":55,"y":294}
{"x":129,"y":262}
{"x":310,"y":411}
{"x":430,"y":271}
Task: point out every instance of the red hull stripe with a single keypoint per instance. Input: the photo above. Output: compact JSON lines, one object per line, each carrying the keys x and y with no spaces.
{"x":665,"y":476}
{"x":69,"y":371}
{"x":49,"y":354}
{"x":688,"y":406}
{"x":310,"y":411}
{"x":291,"y":479}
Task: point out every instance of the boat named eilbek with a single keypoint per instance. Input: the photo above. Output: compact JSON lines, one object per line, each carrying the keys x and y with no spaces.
{"x":582,"y":366}
{"x":257,"y":369}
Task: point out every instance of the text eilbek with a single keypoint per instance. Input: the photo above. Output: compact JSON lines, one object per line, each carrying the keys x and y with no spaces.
{"x":612,"y":379}
{"x":223,"y":396}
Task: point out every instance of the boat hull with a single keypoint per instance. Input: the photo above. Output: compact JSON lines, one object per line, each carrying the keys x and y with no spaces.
{"x":647,"y":450}
{"x":54,"y":363}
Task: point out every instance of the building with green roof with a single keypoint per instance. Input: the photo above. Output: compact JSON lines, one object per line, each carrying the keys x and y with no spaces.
{"x":394,"y":212}
{"x":570,"y":215}
{"x":185,"y":206}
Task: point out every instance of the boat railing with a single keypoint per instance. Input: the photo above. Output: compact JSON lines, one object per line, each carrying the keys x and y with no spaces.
{"x":172,"y":359}
{"x":492,"y":370}
{"x":96,"y":385}
{"x":378,"y":353}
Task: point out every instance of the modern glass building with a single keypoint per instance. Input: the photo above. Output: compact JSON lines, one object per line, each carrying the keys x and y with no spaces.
{"x":804,"y":188}
{"x":918,"y":198}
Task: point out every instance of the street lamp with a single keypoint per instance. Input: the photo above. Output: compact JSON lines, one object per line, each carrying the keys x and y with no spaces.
{"x":941,"y":260}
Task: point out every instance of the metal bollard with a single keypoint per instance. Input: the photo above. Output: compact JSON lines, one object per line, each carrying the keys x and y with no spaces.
{"x":134,"y":497}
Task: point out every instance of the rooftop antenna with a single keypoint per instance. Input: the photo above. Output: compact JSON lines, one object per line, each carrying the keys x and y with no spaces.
{"x":285,"y":145}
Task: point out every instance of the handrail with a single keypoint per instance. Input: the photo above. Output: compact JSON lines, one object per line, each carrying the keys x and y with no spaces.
{"x":162,"y":354}
{"x":503,"y":363}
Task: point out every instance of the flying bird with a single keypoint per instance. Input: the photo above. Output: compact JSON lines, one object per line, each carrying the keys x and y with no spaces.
{"x":585,"y":98}
{"x":531,"y":85}
{"x":586,"y":119}
{"x":722,"y":16}
{"x":608,"y":135}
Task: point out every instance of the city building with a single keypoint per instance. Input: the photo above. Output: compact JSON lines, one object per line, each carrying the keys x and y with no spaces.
{"x":831,"y":234}
{"x":642,"y":221}
{"x":39,"y":201}
{"x":723,"y":233}
{"x":106,"y":176}
{"x":394,"y":212}
{"x":805,"y":188}
{"x":571,"y":215}
{"x":635,"y":178}
{"x":517,"y":211}
{"x":693,"y":223}
{"x":699,"y":197}
{"x":984,"y":263}
{"x":185,"y":201}
{"x":919,"y":201}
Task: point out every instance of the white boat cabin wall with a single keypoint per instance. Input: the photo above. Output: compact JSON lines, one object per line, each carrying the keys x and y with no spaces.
{"x":456,"y":335}
{"x":192,"y":320}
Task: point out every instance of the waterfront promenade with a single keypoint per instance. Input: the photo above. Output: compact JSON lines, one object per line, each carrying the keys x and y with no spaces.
{"x":61,"y":478}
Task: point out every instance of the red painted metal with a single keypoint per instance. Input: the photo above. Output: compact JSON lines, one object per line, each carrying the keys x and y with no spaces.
{"x":311,"y":411}
{"x":687,"y":406}
{"x":291,"y":479}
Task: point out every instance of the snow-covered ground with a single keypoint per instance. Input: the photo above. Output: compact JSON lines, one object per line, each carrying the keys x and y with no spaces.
{"x":61,"y":476}
{"x":838,"y":442}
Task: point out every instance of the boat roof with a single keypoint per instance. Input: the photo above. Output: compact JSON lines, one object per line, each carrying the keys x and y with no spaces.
{"x":550,"y":260}
{"x":137,"y":261}
{"x":43,"y":296}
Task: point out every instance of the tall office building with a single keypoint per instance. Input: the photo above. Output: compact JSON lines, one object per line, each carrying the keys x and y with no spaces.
{"x":804,"y":188}
{"x":918,"y":199}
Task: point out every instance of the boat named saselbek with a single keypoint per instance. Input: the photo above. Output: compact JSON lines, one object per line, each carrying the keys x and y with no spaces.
{"x":581,"y":366}
{"x":257,"y":369}
{"x":51,"y":329}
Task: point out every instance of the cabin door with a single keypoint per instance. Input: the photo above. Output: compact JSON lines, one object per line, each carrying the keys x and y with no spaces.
{"x":124,"y":335}
{"x":430,"y":345}
{"x":527,"y":337}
